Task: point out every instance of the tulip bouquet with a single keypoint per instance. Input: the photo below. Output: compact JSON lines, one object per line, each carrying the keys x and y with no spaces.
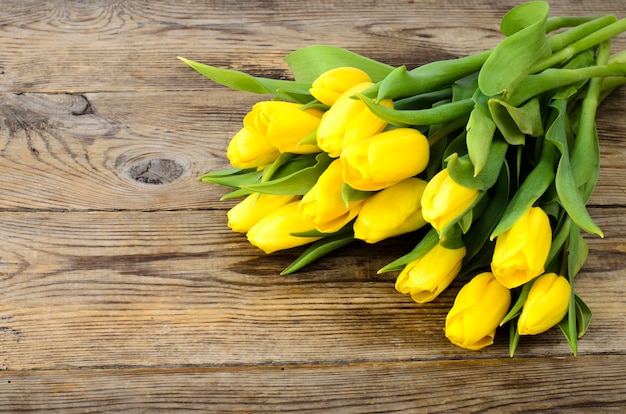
{"x":490,"y":158}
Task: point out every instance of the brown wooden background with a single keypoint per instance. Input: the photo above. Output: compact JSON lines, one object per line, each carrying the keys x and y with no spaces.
{"x":122,"y":289}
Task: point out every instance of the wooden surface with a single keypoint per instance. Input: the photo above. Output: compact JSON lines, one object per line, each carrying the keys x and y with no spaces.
{"x":122,"y":289}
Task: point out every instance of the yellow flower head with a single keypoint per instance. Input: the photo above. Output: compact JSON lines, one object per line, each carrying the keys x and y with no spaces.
{"x":393,"y":211}
{"x":274,"y":231}
{"x":248,"y":149}
{"x":521,"y":252}
{"x":329,"y":86}
{"x":323,"y":204}
{"x":445,"y":200}
{"x":253,"y":208}
{"x":425,"y":278}
{"x":546,"y":304}
{"x":477,"y":311}
{"x":348,"y":120}
{"x":385,"y":159}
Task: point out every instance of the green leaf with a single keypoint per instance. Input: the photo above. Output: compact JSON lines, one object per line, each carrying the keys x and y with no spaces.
{"x":430,"y":240}
{"x":349,"y":194}
{"x":570,"y":334}
{"x":565,"y":182}
{"x":479,"y":233}
{"x":515,"y":123}
{"x":579,"y":256}
{"x":317,"y":250}
{"x":233,"y":177}
{"x":513,"y":58}
{"x":461,"y":168}
{"x":283,"y":89}
{"x":516,"y":309}
{"x":568,"y":325}
{"x":480,"y":131}
{"x":298,"y":182}
{"x":235,"y":194}
{"x":533,"y":187}
{"x":309,"y":62}
{"x":453,"y":239}
{"x":437,"y":115}
{"x":513,"y":338}
{"x":583,"y":316}
{"x":426,"y":78}
{"x":559,"y":237}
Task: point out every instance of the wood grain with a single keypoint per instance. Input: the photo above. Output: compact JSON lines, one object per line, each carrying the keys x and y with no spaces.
{"x":122,"y":289}
{"x":177,"y":288}
{"x":485,"y":386}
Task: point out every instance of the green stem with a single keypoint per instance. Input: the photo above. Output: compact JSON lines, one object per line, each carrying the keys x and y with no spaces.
{"x":586,"y":142}
{"x":551,"y":78}
{"x":437,"y":115}
{"x":569,"y":43}
{"x":401,"y":83}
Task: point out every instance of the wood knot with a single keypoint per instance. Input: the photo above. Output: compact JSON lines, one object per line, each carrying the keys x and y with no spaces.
{"x":156,"y":171}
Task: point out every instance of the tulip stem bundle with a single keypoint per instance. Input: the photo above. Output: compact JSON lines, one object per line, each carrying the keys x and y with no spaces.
{"x":494,"y":155}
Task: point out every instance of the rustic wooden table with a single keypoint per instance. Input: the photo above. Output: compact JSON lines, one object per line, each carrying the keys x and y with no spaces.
{"x":121,"y":287}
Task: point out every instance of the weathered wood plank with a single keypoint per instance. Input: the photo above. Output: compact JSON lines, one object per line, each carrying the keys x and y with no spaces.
{"x":484,"y":386}
{"x":132,"y":45}
{"x":177,"y":288}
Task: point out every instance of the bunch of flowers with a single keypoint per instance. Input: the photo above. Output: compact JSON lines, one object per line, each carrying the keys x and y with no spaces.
{"x":490,"y":158}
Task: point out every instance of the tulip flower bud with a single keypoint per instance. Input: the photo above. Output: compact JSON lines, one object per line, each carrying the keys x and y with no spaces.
{"x":521,"y":252}
{"x":546,"y":305}
{"x":248,"y":149}
{"x":323,"y":204}
{"x":331,"y":84}
{"x":289,"y":125}
{"x":477,"y":311}
{"x":428,"y":276}
{"x":272,"y":127}
{"x":253,"y":208}
{"x":445,"y":200}
{"x":348,"y":120}
{"x":393,"y":211}
{"x":274,"y":231}
{"x":385,"y":159}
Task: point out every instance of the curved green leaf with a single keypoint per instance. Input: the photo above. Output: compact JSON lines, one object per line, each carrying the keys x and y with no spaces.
{"x":426,"y":78}
{"x":480,"y":129}
{"x":429,"y":241}
{"x":513,"y":58}
{"x":516,"y":122}
{"x":437,"y":115}
{"x":299,"y":182}
{"x":317,"y":250}
{"x":283,"y":89}
{"x":533,"y":187}
{"x":565,"y":182}
{"x":308,"y":63}
{"x":461,"y":168}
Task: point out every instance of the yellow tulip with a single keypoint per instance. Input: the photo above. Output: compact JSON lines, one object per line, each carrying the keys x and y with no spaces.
{"x":253,"y":208}
{"x":546,"y":304}
{"x":274,"y":231}
{"x":248,"y":149}
{"x":521,"y":252}
{"x":272,"y":127}
{"x":477,"y":311}
{"x":385,"y":159}
{"x":391,"y":212}
{"x":289,"y":125}
{"x":428,"y":276}
{"x":323,"y":204}
{"x":445,"y":200}
{"x":348,"y":120}
{"x":331,"y":84}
